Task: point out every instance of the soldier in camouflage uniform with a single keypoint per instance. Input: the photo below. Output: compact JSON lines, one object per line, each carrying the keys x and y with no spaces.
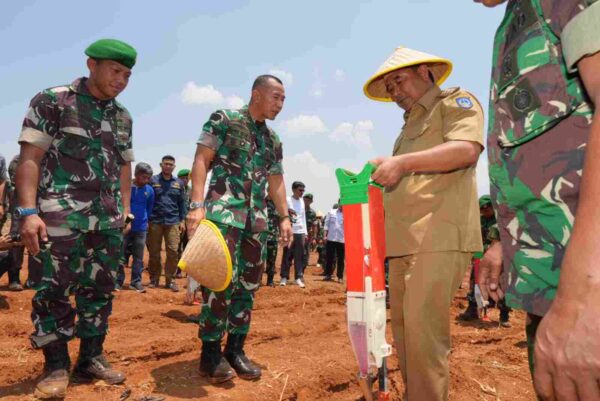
{"x":15,"y":253}
{"x":544,"y":86}
{"x":489,"y":234}
{"x":76,"y":143}
{"x":311,"y":218}
{"x":3,"y":191}
{"x":272,"y":241}
{"x":245,"y":155}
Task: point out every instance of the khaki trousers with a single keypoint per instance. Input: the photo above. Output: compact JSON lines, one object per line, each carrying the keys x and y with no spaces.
{"x":156,"y":233}
{"x":421,"y":289}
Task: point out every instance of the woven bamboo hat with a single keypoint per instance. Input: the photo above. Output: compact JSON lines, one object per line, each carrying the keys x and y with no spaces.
{"x":206,"y":257}
{"x":401,"y":58}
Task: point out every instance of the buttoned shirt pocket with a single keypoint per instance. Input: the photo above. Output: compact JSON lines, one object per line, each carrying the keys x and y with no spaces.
{"x":532,"y":93}
{"x":74,"y":140}
{"x":237,"y":145}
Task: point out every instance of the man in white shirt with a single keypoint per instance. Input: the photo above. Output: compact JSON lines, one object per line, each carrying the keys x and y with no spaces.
{"x":296,"y":249}
{"x":334,"y":248}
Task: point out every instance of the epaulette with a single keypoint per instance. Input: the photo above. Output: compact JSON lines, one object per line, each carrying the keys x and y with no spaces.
{"x":449,"y":92}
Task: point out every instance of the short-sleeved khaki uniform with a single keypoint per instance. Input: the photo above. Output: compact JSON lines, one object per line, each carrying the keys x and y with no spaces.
{"x":432,"y":228}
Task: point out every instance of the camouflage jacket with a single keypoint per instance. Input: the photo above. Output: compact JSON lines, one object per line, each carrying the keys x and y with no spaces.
{"x":273,"y":221}
{"x":86,"y":141}
{"x":247,"y":153}
{"x":538,"y":129}
{"x":311,"y":218}
{"x":488,"y":231}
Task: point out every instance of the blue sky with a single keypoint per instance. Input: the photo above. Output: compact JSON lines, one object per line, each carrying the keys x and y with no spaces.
{"x":197,"y":56}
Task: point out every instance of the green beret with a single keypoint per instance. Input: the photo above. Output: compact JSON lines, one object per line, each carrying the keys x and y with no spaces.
{"x":184,"y":172}
{"x":309,"y":196}
{"x":112,"y":49}
{"x":485,"y":200}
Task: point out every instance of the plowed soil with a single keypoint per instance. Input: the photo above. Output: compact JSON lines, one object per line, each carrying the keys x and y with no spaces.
{"x":298,"y":336}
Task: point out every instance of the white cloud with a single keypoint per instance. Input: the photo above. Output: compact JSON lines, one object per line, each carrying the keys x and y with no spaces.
{"x":303,"y":125}
{"x":339,"y":75}
{"x":208,"y":95}
{"x":285,"y":76}
{"x":358,"y":134}
{"x":235,"y":102}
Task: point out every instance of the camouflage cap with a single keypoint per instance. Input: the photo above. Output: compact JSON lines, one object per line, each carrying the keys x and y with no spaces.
{"x":309,"y":196}
{"x":112,"y":49}
{"x":485,"y":200}
{"x":184,"y":172}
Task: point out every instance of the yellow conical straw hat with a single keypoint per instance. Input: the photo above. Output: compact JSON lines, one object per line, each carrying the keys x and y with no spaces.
{"x":206,"y":257}
{"x":401,"y":58}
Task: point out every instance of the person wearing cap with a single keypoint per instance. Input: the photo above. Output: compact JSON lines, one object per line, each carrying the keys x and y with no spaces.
{"x":432,"y":215}
{"x":166,"y":222}
{"x":320,"y":238}
{"x":76,"y":147}
{"x":542,"y":150}
{"x":311,"y":219}
{"x":245,"y":156}
{"x":295,"y":251}
{"x":134,"y":241}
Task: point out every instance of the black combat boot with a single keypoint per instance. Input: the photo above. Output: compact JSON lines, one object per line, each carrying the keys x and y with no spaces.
{"x":212,"y":363}
{"x":234,"y":353}
{"x":56,"y":371}
{"x":92,"y":365}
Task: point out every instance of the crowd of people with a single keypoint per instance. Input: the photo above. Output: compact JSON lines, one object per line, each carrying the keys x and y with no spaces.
{"x":73,"y":202}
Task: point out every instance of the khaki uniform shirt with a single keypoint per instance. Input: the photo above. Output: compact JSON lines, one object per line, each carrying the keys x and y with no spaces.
{"x":434,"y":212}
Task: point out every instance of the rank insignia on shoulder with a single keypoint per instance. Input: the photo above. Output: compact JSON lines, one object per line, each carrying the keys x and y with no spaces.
{"x":464,"y":102}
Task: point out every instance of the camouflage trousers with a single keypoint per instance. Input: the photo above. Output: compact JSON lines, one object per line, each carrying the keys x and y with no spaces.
{"x":74,"y":262}
{"x":230,"y":310}
{"x":272,"y":248}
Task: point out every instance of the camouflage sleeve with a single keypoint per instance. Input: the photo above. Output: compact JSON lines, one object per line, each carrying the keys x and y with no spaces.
{"x":3,"y":175}
{"x":41,"y":122}
{"x":276,"y":167}
{"x":493,"y":233}
{"x":463,"y":118}
{"x":125,"y":135}
{"x":214,"y":131}
{"x":581,"y":35}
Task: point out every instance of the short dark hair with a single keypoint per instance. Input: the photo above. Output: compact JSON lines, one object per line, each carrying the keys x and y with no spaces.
{"x":167,"y":157}
{"x":143,"y":168}
{"x":262,"y":80}
{"x":297,"y":184}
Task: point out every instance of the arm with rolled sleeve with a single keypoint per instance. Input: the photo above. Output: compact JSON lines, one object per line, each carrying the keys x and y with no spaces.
{"x":580,"y":35}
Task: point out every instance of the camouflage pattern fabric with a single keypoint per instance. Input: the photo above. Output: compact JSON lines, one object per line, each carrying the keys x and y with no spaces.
{"x":83,"y":263}
{"x":230,"y":310}
{"x":273,"y":237}
{"x":311,"y":218}
{"x":487,"y":225}
{"x":538,"y":129}
{"x":247,"y":153}
{"x":86,"y":142}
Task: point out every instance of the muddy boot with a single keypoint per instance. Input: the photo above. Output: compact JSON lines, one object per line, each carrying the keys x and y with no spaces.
{"x":56,"y":372}
{"x":234,"y":353}
{"x":92,"y":365}
{"x":212,"y":363}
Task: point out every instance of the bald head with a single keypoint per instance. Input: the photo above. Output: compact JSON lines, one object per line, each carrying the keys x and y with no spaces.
{"x":267,"y":98}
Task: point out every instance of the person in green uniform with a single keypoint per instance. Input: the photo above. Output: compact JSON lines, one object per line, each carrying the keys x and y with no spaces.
{"x":73,"y":183}
{"x":542,"y":149}
{"x":245,"y":155}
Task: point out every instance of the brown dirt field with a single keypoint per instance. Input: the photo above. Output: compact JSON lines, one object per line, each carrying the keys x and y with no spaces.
{"x":298,"y":337}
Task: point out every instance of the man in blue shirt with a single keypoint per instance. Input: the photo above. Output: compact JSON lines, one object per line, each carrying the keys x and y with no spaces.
{"x":167,"y":217}
{"x":134,"y":238}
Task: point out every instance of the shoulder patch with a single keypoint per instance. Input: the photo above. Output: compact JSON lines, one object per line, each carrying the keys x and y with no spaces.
{"x":464,"y":102}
